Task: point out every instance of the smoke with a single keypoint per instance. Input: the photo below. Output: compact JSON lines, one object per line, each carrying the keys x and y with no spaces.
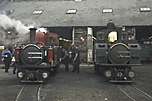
{"x":42,"y":30}
{"x":12,"y":31}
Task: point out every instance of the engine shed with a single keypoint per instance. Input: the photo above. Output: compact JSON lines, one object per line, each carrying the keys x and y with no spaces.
{"x":78,"y":20}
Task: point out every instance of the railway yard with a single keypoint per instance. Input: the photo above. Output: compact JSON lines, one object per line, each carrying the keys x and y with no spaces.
{"x":85,"y":86}
{"x":114,"y":35}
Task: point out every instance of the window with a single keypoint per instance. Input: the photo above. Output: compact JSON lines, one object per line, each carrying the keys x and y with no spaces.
{"x":112,"y":36}
{"x":107,"y":10}
{"x":37,"y":12}
{"x":145,"y":9}
{"x":71,"y":11}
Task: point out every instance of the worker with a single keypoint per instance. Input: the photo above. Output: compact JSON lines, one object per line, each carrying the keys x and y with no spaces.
{"x":63,"y":57}
{"x":7,"y":58}
{"x":76,"y":58}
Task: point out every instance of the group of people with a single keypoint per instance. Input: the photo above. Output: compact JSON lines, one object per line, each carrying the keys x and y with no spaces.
{"x":65,"y":56}
{"x":69,"y":56}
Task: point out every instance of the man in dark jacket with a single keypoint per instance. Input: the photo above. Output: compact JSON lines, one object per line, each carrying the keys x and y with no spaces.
{"x":7,"y":58}
{"x":63,"y":57}
{"x":76,"y":59}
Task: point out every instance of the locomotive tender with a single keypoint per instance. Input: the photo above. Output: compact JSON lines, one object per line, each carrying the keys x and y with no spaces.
{"x":116,"y":57}
{"x":35,"y":61}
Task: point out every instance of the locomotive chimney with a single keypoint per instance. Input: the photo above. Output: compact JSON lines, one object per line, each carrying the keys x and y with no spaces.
{"x":32,"y":35}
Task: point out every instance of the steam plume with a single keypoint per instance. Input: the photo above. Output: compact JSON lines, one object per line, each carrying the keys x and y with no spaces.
{"x":12,"y":31}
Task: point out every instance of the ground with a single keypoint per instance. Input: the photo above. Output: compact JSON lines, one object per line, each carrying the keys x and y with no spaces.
{"x":85,"y":86}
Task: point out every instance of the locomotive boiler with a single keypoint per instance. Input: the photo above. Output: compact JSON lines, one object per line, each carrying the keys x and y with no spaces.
{"x":115,"y":57}
{"x":36,"y":60}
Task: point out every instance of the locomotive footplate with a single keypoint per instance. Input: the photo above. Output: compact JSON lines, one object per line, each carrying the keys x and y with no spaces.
{"x":120,"y":81}
{"x":34,"y":66}
{"x":112,"y":65}
{"x":25,"y":81}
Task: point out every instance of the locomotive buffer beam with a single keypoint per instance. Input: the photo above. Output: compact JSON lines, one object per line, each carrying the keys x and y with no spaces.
{"x":125,"y":65}
{"x":120,"y":81}
{"x":33,"y":67}
{"x":29,"y":81}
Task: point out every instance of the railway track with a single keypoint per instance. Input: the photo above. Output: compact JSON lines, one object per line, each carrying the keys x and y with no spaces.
{"x":29,"y":93}
{"x":135,"y":93}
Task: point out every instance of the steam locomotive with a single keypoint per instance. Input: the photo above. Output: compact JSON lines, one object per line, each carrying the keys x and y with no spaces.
{"x":36,"y":60}
{"x":115,"y":57}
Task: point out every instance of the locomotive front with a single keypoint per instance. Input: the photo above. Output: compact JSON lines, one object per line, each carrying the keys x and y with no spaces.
{"x":115,"y":58}
{"x":35,"y":61}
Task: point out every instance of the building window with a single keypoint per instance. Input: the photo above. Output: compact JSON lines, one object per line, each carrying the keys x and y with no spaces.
{"x":37,"y":12}
{"x":107,"y":10}
{"x":145,"y":9}
{"x":71,"y":11}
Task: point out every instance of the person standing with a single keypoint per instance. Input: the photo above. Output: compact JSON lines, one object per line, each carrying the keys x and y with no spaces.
{"x":7,"y":58}
{"x":63,"y":57}
{"x":76,"y":59}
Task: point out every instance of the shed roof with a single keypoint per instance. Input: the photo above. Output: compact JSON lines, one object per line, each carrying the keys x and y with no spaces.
{"x":89,"y":12}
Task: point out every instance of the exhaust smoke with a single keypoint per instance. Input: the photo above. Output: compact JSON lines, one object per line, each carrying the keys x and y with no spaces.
{"x":12,"y":31}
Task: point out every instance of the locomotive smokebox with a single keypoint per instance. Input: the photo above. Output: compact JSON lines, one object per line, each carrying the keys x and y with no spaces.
{"x":32,"y":35}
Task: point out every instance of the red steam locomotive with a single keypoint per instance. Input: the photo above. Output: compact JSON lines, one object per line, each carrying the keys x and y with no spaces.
{"x":35,"y":61}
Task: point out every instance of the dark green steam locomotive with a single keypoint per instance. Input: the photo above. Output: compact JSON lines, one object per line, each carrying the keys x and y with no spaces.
{"x":116,"y":51}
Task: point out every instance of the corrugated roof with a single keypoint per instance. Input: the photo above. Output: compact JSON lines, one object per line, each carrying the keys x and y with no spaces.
{"x":89,"y":12}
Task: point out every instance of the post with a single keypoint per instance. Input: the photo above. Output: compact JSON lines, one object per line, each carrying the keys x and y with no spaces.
{"x":89,"y":45}
{"x":73,"y":31}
